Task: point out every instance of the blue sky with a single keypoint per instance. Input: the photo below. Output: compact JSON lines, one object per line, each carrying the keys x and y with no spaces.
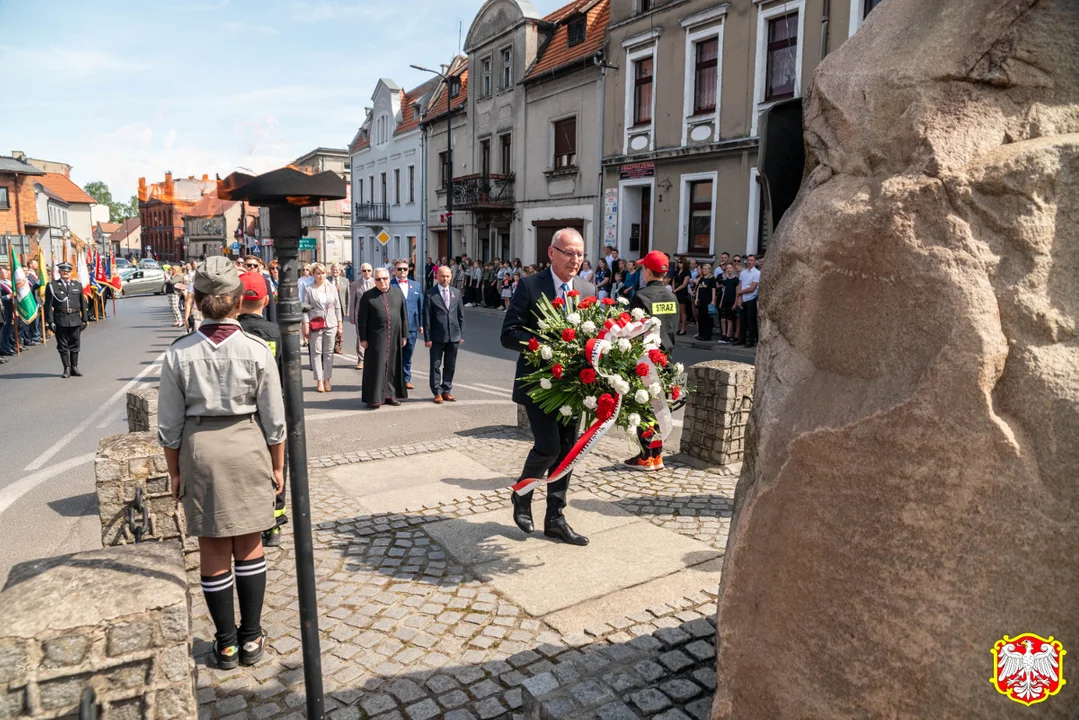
{"x":127,"y":89}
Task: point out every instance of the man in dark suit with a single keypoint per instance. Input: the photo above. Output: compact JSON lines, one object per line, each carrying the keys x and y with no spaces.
{"x":444,"y":328}
{"x":67,"y":316}
{"x":552,"y":440}
{"x":414,"y":309}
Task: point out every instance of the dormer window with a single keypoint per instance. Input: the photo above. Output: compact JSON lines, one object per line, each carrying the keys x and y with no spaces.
{"x":455,"y":87}
{"x":576,"y":31}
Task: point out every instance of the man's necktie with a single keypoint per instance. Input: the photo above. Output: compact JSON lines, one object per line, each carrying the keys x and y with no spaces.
{"x":446,"y":297}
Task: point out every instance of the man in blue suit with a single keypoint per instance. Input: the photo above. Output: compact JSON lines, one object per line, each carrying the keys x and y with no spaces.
{"x":413,"y":309}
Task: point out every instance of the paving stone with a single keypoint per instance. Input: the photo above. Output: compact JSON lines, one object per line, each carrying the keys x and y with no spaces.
{"x":672,"y":637}
{"x":423,"y":710}
{"x":558,"y":707}
{"x":459,"y":715}
{"x":616,"y":710}
{"x":513,"y":698}
{"x":676,"y":660}
{"x":454,"y":698}
{"x":700,"y":709}
{"x":701,"y":650}
{"x":700,"y":628}
{"x":346,"y":713}
{"x":680,"y":690}
{"x":489,"y":708}
{"x":650,"y":700}
{"x":405,"y":690}
{"x":649,"y":670}
{"x":674,"y":714}
{"x":706,"y":677}
{"x":261,"y":712}
{"x":229,"y":705}
{"x":621,"y":681}
{"x":375,"y":704}
{"x":484,"y":689}
{"x":591,"y":693}
{"x":540,"y":685}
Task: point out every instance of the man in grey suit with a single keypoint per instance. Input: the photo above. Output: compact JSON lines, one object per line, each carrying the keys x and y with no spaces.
{"x":444,"y":328}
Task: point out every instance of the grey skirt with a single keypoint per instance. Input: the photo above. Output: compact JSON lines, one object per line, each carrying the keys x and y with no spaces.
{"x":226,"y":477}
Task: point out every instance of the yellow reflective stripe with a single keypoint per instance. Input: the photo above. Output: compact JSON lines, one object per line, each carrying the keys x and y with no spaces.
{"x":273,"y":347}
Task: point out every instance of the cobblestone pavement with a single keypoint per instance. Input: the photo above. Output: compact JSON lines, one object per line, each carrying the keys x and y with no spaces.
{"x":408,"y":633}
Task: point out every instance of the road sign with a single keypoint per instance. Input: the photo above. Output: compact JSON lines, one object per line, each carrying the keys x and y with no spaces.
{"x":235,"y":247}
{"x":307,"y":243}
{"x":383,"y":237}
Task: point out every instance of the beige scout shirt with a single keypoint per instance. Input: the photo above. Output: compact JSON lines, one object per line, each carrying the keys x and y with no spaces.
{"x":236,"y":377}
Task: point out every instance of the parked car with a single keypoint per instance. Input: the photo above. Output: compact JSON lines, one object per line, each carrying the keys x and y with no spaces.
{"x":148,"y":264}
{"x":142,"y":281}
{"x":123,"y":263}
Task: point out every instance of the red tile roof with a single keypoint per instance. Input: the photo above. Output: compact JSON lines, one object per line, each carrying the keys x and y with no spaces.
{"x":438,"y":106}
{"x":210,"y":206}
{"x":126,"y":228}
{"x":410,"y":119}
{"x":62,"y":187}
{"x":558,"y":53}
{"x":109,"y":228}
{"x":363,"y":139}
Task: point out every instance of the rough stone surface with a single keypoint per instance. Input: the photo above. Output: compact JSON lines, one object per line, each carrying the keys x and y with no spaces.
{"x":142,"y":410}
{"x":717,"y":411}
{"x":126,"y":465}
{"x":912,"y":443}
{"x":116,"y":620}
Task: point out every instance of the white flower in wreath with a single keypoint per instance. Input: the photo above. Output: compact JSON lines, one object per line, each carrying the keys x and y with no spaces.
{"x":679,"y":368}
{"x":621,"y":387}
{"x":655,"y":321}
{"x":588,"y":327}
{"x":633,"y":420}
{"x":542,"y":324}
{"x":546,"y":353}
{"x":589,"y":402}
{"x":641,"y":396}
{"x":623,"y":301}
{"x":637,"y":314}
{"x":616,"y":379}
{"x":604,"y":346}
{"x":655,"y":390}
{"x":545,"y":383}
{"x":624,"y":345}
{"x":566,"y":410}
{"x":574,"y":318}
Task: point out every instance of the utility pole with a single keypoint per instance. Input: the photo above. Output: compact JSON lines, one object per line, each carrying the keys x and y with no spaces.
{"x":449,"y":158}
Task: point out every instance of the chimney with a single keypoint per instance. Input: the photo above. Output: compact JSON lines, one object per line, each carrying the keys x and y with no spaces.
{"x":143,"y":196}
{"x":18,"y":154}
{"x":205,"y":177}
{"x":168,"y":176}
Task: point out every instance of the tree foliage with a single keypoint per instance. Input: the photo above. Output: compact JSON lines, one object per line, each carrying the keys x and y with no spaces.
{"x":118,"y":211}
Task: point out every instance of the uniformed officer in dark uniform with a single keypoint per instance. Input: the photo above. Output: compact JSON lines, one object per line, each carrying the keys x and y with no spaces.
{"x":66,"y":314}
{"x":256,"y":298}
{"x":656,"y":300}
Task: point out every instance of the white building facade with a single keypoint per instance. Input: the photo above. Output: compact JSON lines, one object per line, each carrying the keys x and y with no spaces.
{"x":387,"y":176}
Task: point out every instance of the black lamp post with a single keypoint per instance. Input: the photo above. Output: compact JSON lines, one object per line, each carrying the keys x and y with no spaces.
{"x":284,"y":192}
{"x":449,"y":159}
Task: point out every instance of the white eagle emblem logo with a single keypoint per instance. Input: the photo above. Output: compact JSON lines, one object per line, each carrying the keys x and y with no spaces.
{"x":1028,"y":667}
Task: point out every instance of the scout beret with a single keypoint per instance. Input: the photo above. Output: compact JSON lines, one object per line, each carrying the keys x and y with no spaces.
{"x":216,"y":276}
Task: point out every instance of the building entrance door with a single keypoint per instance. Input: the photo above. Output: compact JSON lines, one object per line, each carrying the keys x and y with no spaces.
{"x":441,"y":246}
{"x":646,"y":219}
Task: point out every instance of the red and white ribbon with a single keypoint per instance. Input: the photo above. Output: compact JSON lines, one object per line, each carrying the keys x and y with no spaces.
{"x":614,"y":330}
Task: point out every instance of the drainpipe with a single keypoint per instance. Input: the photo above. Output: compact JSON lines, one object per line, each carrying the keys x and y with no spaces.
{"x":824,"y":29}
{"x":598,"y":223}
{"x":422,"y":259}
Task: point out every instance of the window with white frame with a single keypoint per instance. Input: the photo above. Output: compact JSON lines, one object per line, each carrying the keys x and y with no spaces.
{"x":859,"y":11}
{"x":371,"y":186}
{"x":382,"y":181}
{"x":642,"y":91}
{"x":5,"y":203}
{"x":565,"y":143}
{"x":485,"y":76}
{"x":576,"y":30}
{"x":412,"y":183}
{"x":778,"y":68}
{"x":640,"y":103}
{"x":359,"y":190}
{"x":507,"y":68}
{"x":397,"y":186}
{"x":705,"y":75}
{"x":698,"y":213}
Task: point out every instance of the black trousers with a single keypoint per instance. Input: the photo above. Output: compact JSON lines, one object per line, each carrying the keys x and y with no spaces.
{"x":552,"y":441}
{"x":443,"y":364}
{"x":68,"y":339}
{"x":704,"y":322}
{"x":749,"y":320}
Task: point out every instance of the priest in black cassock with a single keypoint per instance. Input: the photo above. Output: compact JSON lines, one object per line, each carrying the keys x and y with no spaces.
{"x":382,"y":326}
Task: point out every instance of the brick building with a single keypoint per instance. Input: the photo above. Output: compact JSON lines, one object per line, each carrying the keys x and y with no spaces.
{"x":18,"y":208}
{"x":162,"y":207}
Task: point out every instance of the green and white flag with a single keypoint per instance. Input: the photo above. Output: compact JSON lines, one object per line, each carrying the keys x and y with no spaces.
{"x":25,"y":303}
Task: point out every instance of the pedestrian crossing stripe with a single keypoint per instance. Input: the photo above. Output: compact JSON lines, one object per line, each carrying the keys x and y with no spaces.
{"x":664,"y":308}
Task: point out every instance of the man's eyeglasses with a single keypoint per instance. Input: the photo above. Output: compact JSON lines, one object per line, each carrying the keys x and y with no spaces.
{"x":578,"y":255}
{"x":402,"y":269}
{"x":382,"y":278}
{"x":253,"y":266}
{"x":366,"y":271}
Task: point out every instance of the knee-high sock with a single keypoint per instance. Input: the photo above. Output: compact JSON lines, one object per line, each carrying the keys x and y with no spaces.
{"x":251,"y":590}
{"x":218,"y":593}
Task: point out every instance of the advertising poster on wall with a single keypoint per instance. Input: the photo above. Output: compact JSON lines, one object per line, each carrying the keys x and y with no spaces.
{"x":610,"y":217}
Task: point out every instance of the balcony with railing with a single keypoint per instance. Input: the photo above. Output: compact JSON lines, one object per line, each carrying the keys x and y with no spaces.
{"x":371,"y":212}
{"x":480,"y":192}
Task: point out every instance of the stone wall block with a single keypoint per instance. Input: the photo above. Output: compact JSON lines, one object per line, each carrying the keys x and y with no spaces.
{"x":142,"y":410}
{"x":116,"y":620}
{"x":714,"y":419}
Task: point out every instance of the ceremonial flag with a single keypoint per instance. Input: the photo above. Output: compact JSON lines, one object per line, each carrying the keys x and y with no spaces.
{"x":112,"y":278}
{"x":41,"y":278}
{"x":25,"y":302}
{"x":84,"y":275}
{"x":99,"y":270}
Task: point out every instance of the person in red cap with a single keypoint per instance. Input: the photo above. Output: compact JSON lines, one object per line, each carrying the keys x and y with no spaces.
{"x":656,"y":300}
{"x":251,"y":319}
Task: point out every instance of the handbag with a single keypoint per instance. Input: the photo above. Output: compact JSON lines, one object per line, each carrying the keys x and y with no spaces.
{"x":317,"y":323}
{"x":338,"y":344}
{"x":712,"y":310}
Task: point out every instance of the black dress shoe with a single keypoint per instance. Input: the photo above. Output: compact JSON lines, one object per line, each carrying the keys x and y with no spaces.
{"x":560,"y":530}
{"x":393,"y":401}
{"x":522,"y":513}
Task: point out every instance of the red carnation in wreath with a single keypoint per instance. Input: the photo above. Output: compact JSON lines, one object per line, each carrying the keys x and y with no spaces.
{"x":605,"y":407}
{"x":557,"y":370}
{"x":591,"y":300}
{"x":642,"y":369}
{"x":558,"y":302}
{"x":569,"y":335}
{"x":584,"y":304}
{"x":574,"y":293}
{"x":609,"y":301}
{"x":676,"y":392}
{"x":658,"y":357}
{"x":533,"y":344}
{"x":588,"y":376}
{"x":625,"y":317}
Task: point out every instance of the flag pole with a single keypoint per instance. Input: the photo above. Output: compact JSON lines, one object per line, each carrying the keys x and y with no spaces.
{"x":14,"y":298}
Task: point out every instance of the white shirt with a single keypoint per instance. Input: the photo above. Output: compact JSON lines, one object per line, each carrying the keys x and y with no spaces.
{"x":404,"y":288}
{"x":746,"y":278}
{"x":558,"y":282}
{"x":445,"y":295}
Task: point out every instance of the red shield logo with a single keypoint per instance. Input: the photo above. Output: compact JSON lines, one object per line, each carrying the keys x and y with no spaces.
{"x":1028,"y":668}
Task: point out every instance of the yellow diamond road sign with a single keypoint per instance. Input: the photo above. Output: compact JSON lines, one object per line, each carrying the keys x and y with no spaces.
{"x":383,"y":237}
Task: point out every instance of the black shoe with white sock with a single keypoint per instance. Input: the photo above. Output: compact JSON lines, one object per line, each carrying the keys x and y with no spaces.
{"x":218,"y":593}
{"x":251,"y":590}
